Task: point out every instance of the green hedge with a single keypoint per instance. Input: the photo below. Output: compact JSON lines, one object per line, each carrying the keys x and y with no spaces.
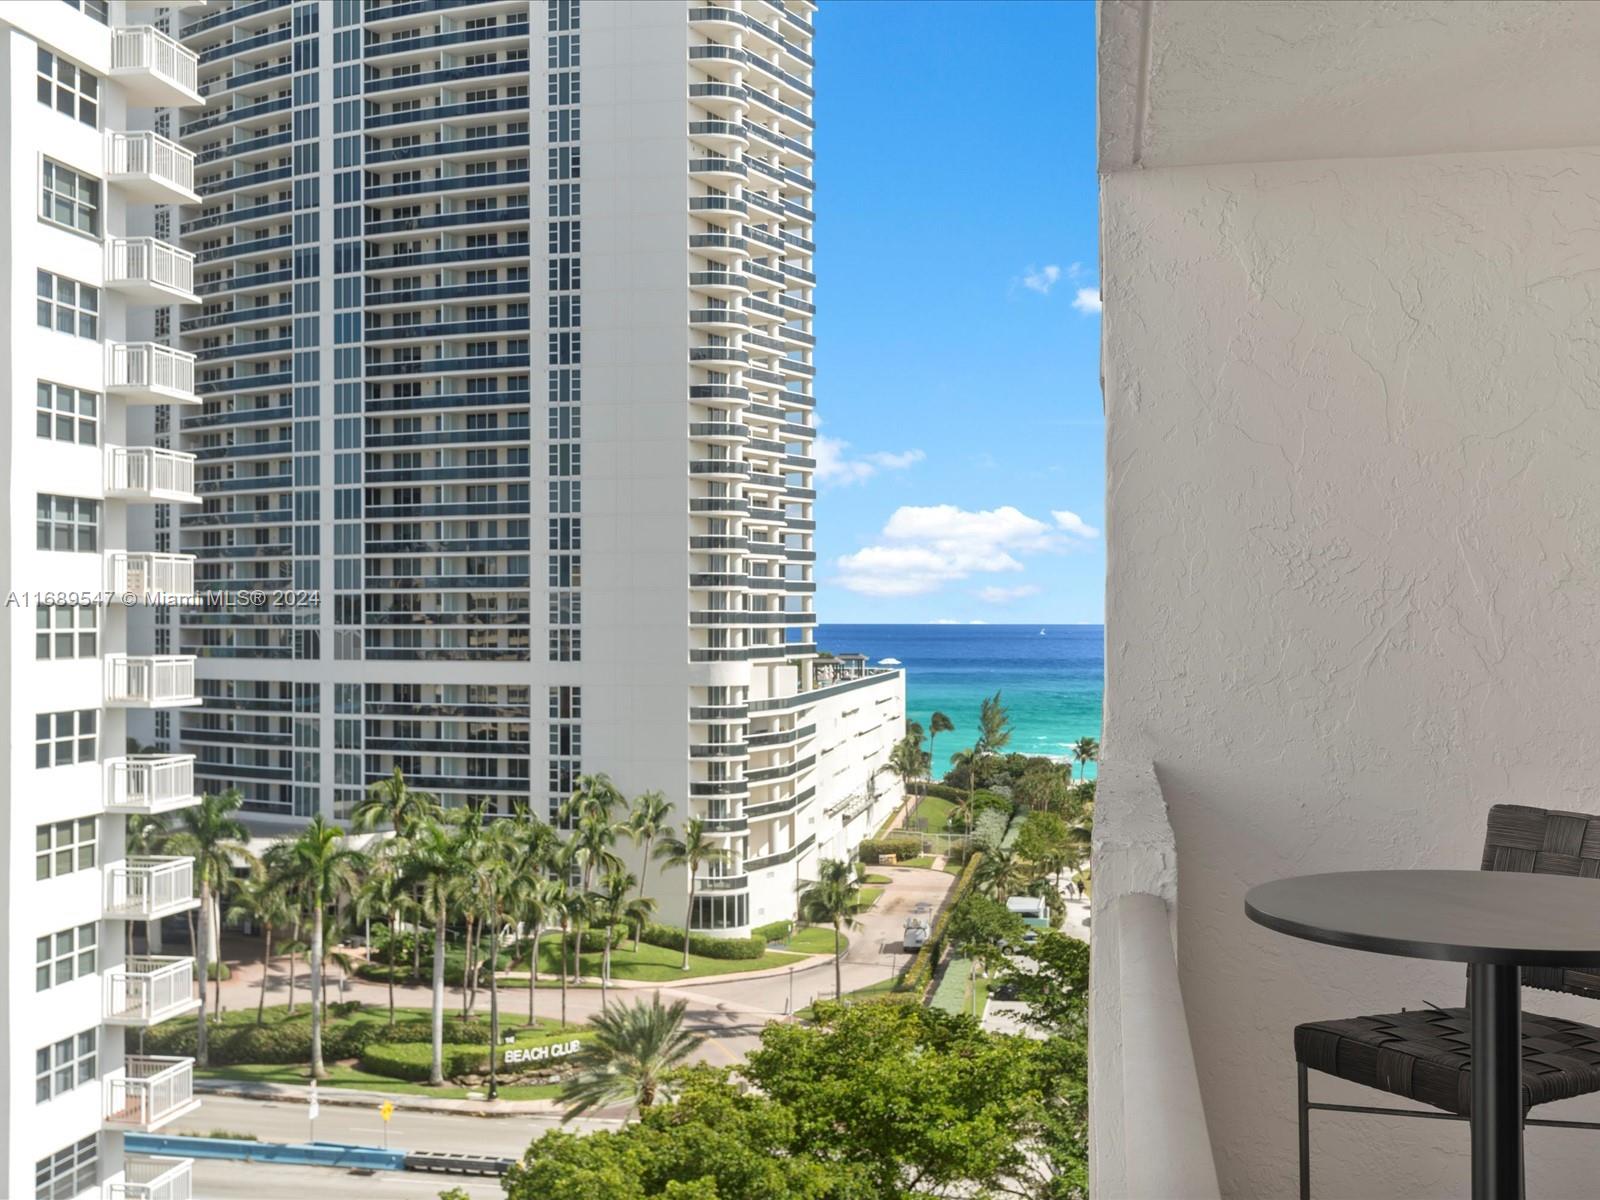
{"x":704,"y":945}
{"x":920,"y":974}
{"x":284,"y":1042}
{"x":901,"y":847}
{"x":777,"y":931}
{"x":413,"y":1060}
{"x":943,"y":791}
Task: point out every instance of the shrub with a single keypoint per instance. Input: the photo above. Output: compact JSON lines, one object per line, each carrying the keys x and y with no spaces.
{"x":723,"y":949}
{"x":777,"y":931}
{"x":412,"y":1060}
{"x":871,"y":849}
{"x":943,"y":791}
{"x":920,"y":973}
{"x":288,"y":1042}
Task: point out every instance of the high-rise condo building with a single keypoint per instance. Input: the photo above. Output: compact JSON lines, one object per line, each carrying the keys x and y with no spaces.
{"x":504,"y":357}
{"x":91,"y":258}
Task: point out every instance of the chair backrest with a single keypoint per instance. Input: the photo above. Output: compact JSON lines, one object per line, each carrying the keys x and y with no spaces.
{"x":1543,"y":841}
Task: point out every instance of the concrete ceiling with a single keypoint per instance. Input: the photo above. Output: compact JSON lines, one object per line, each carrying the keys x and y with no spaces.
{"x":1192,"y":82}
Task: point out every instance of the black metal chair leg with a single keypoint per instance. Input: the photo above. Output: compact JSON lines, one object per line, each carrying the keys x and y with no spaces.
{"x":1305,"y":1137}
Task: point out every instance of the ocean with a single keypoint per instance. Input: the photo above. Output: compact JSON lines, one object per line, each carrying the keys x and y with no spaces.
{"x":1050,"y":682}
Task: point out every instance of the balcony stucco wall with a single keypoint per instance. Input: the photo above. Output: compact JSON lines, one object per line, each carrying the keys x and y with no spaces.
{"x":1353,"y":414}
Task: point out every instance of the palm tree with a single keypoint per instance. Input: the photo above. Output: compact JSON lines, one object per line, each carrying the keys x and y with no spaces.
{"x":590,"y":848}
{"x":490,"y":872}
{"x":433,"y":866}
{"x":994,"y":726}
{"x":537,"y":902}
{"x":595,"y":796}
{"x":937,"y":724}
{"x":1085,"y":751}
{"x":321,"y":867}
{"x":834,"y":899}
{"x":634,"y":1050}
{"x":613,"y":910}
{"x":262,"y":899}
{"x":967,"y":761}
{"x":571,"y":908}
{"x":383,"y":893}
{"x":215,"y":838}
{"x":390,"y":802}
{"x":907,"y":762}
{"x":1002,"y":874}
{"x":646,"y":823}
{"x":691,"y":851}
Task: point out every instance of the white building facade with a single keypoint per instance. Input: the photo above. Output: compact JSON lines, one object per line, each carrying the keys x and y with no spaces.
{"x":82,"y":84}
{"x":504,"y":350}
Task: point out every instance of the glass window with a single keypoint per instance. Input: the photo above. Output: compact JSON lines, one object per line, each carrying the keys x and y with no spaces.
{"x":64,"y":738}
{"x":68,"y":306}
{"x":67,"y":523}
{"x":64,"y":847}
{"x":67,"y":414}
{"x":67,"y":1172}
{"x":65,"y":956}
{"x":63,"y":1066}
{"x":68,"y":89}
{"x":66,"y":631}
{"x":70,"y":198}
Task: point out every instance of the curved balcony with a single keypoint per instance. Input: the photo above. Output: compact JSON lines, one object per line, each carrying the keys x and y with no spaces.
{"x":724,"y":99}
{"x":724,"y":210}
{"x":720,"y":283}
{"x":149,"y":783}
{"x":146,"y":990}
{"x":149,"y":1092}
{"x":720,"y":135}
{"x":153,"y":70}
{"x":713,"y":319}
{"x":149,"y":373}
{"x":150,"y":271}
{"x":719,"y":468}
{"x":718,"y":431}
{"x":720,"y":172}
{"x":151,"y":168}
{"x":150,"y":474}
{"x":150,"y":680}
{"x":149,"y":888}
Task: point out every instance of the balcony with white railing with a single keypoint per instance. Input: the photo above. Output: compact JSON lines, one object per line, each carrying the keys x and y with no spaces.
{"x":149,"y":783}
{"x":146,"y":990}
{"x":149,"y":577}
{"x":149,"y":473}
{"x":148,"y":1092}
{"x":153,"y":69}
{"x":150,"y":680}
{"x":153,"y":1179}
{"x":150,"y":168}
{"x":150,"y":271}
{"x":149,"y":373}
{"x":150,"y":887}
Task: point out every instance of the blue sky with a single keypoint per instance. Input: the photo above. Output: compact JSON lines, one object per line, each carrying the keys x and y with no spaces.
{"x":960,"y":450}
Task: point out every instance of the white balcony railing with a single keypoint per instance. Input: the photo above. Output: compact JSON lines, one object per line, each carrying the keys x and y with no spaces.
{"x":153,"y":1179}
{"x":145,"y":990}
{"x":150,"y":473}
{"x":147,"y":889}
{"x":150,"y":373}
{"x":156,"y":271}
{"x":149,"y":680}
{"x":1147,"y":1124}
{"x":149,"y":783}
{"x":153,"y":69}
{"x":147,"y":1092}
{"x":149,"y":577}
{"x":151,"y":167}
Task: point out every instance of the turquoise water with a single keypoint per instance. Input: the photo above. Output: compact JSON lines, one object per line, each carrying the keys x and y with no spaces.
{"x":1051,"y":684}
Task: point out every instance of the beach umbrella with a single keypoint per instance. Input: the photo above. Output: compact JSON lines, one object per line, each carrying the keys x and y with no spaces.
{"x":888,"y":662}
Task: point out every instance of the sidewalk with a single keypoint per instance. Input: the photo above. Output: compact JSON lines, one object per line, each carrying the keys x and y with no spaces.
{"x":356,"y":1098}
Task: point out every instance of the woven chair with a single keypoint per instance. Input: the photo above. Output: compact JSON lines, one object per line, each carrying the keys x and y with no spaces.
{"x":1426,"y":1055}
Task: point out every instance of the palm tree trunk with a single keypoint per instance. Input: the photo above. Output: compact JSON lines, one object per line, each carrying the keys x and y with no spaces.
{"x":494,"y":1008}
{"x":202,"y":953}
{"x":216,"y":940}
{"x":394,"y":932}
{"x":605,"y":968}
{"x":416,"y":953}
{"x":436,"y":1066}
{"x":838,"y":970}
{"x":466,"y":965}
{"x":318,"y":1071}
{"x":563,"y":975}
{"x":533,"y":973}
{"x":292,"y":966}
{"x":644,"y":875}
{"x":266,"y":969}
{"x":688,"y":919}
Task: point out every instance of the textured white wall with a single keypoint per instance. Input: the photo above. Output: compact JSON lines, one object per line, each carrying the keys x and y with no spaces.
{"x":1354,"y":520}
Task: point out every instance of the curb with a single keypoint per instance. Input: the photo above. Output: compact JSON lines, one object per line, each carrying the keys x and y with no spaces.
{"x":356,"y":1098}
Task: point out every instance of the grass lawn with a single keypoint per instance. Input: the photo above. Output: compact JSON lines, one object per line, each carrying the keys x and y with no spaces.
{"x":952,"y":867}
{"x":651,"y":964}
{"x":922,"y":860}
{"x":352,"y":1077}
{"x":932,"y":810}
{"x":878,"y":880}
{"x":815,"y":939}
{"x":869,"y":895}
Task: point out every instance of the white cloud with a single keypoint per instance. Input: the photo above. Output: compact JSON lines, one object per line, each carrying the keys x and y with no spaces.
{"x":1041,"y":279}
{"x":1005,"y":595}
{"x":1087,"y":301}
{"x":1070,"y":522}
{"x":947,"y":621}
{"x":923,"y":548}
{"x":835,"y":465}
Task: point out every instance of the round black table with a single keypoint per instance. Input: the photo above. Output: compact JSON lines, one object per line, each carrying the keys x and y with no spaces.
{"x":1495,"y":921}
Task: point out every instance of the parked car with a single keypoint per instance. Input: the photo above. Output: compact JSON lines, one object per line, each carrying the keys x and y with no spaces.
{"x":917,"y":932}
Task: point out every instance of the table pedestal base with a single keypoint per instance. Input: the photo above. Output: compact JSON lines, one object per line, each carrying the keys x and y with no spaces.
{"x":1494,"y":994}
